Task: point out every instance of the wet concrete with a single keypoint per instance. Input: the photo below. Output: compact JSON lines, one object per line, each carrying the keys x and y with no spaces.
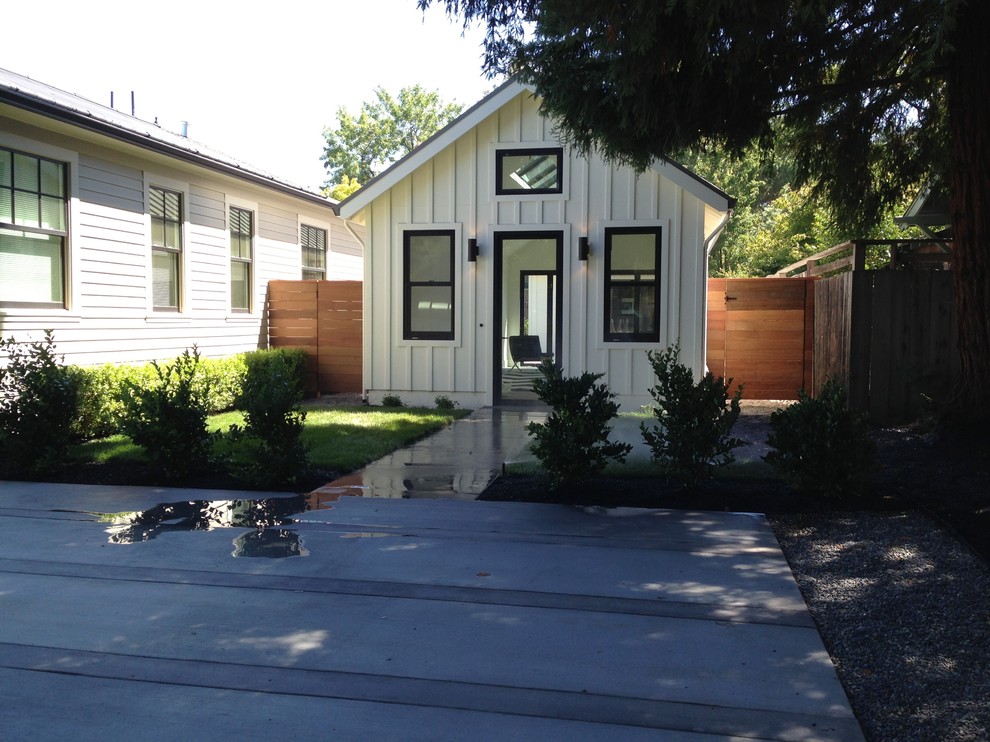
{"x":458,"y":462}
{"x":412,"y":614}
{"x":409,"y":619}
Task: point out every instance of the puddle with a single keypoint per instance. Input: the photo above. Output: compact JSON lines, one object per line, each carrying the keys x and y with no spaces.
{"x":265,"y":516}
{"x":269,"y":543}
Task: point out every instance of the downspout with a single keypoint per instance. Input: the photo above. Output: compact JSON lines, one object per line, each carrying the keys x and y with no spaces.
{"x":709,"y":244}
{"x":364,"y":301}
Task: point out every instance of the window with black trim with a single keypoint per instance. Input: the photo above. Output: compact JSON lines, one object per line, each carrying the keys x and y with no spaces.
{"x":529,"y":171}
{"x":241,"y":233}
{"x":165,"y":208}
{"x":428,"y":285}
{"x":632,"y":284}
{"x":313,"y":242}
{"x":33,"y":229}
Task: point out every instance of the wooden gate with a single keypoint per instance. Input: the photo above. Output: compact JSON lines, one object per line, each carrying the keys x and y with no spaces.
{"x":761,"y":334}
{"x":324,"y":318}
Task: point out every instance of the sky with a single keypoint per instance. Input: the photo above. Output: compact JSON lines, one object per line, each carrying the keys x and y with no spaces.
{"x":257,"y":81}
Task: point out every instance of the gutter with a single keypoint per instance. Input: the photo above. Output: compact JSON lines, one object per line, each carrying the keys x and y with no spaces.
{"x":709,"y":244}
{"x":713,"y":237}
{"x":58,"y":113}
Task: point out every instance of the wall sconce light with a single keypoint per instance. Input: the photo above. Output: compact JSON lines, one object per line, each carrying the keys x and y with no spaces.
{"x":583,"y":248}
{"x":472,"y":250}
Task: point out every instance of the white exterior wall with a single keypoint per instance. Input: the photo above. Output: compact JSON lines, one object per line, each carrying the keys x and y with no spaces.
{"x":108,"y":315}
{"x":456,"y":189}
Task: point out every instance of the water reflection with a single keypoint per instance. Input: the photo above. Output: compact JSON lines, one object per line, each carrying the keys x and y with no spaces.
{"x":269,"y":543}
{"x":267,"y":540}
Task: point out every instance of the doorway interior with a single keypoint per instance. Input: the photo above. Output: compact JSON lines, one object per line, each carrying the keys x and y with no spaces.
{"x":528,"y":310}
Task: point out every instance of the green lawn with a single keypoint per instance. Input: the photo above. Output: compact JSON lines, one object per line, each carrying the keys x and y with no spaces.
{"x":338,"y":438}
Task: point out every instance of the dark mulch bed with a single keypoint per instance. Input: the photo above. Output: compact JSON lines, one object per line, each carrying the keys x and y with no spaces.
{"x":944,"y":475}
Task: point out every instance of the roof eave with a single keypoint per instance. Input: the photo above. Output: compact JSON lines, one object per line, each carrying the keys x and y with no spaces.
{"x":58,"y":113}
{"x":690,"y":181}
{"x":470,"y":118}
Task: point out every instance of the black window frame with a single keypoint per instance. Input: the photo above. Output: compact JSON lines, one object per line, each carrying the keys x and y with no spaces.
{"x":501,"y":154}
{"x":407,"y":285}
{"x":636,"y":336}
{"x":305,"y":248}
{"x":240,"y":237}
{"x":40,"y":194}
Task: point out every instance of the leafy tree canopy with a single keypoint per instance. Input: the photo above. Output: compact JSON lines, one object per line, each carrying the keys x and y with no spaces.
{"x":388,"y":128}
{"x":859,"y":83}
{"x":870,"y":96}
{"x":775,"y":222}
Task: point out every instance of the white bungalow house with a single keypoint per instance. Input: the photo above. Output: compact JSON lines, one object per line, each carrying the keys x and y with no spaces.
{"x":492,"y":244}
{"x":133,"y":243}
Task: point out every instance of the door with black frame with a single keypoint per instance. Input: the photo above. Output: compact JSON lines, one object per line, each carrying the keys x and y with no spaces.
{"x":528,"y":310}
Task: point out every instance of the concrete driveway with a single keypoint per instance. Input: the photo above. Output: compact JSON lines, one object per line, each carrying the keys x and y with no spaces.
{"x":401,"y":619}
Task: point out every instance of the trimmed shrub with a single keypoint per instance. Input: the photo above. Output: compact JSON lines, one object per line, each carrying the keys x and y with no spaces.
{"x":573,"y":443}
{"x":820,"y":445}
{"x":443,"y":402}
{"x":218,"y":383}
{"x":290,"y":363}
{"x":101,"y":396}
{"x":392,"y":400}
{"x":39,"y":397}
{"x":694,"y":420}
{"x":168,"y":418}
{"x":271,"y":451}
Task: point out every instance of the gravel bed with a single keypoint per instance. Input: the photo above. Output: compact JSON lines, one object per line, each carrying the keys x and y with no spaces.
{"x":904,"y":610}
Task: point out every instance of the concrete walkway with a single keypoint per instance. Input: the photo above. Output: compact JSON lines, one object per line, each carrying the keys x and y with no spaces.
{"x":401,"y":619}
{"x":458,"y":462}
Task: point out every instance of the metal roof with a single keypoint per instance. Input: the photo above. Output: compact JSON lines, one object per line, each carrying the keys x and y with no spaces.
{"x":31,"y":95}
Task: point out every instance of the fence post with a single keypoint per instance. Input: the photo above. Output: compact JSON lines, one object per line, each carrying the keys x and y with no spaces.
{"x":859,"y":255}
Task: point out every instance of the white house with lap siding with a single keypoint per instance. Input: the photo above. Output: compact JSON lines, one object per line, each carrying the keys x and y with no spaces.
{"x":133,"y":243}
{"x":492,"y":245}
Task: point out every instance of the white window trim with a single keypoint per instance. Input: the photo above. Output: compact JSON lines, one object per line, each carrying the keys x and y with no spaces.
{"x":253,"y":290}
{"x":460,"y":276}
{"x":596,"y":266}
{"x":565,"y":167}
{"x":158,"y":181}
{"x":71,"y":260}
{"x":319,"y":223}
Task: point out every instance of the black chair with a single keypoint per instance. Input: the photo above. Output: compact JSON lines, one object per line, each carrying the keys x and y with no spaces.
{"x":526,"y":350}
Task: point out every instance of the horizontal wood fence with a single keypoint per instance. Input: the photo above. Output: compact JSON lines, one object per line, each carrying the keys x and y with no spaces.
{"x":324,"y":318}
{"x":890,"y":337}
{"x":761,"y":333}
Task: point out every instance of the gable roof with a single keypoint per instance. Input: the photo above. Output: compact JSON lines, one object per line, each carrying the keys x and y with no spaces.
{"x":472,"y":117}
{"x":36,"y":97}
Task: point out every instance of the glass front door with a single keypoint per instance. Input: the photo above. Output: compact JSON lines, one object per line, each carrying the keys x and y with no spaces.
{"x":528,"y":309}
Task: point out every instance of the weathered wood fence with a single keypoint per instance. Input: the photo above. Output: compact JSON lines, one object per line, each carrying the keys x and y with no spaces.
{"x":761,"y":333}
{"x":324,"y":318}
{"x":889,"y":337}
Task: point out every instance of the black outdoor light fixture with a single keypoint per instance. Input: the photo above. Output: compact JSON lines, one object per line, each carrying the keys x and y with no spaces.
{"x":583,"y":248}
{"x":472,"y":250}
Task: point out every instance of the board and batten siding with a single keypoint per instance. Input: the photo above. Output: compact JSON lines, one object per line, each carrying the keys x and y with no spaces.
{"x":456,"y":189}
{"x":109,"y":317}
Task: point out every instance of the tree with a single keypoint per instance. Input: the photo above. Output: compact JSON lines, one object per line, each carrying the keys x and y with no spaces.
{"x":390,"y":127}
{"x":870,"y":96}
{"x":774,"y":222}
